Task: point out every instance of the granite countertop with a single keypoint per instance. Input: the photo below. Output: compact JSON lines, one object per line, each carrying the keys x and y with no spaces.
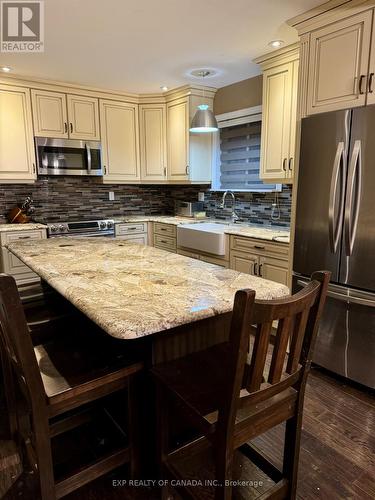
{"x":250,"y":230}
{"x":133,"y":290}
{"x":21,"y":227}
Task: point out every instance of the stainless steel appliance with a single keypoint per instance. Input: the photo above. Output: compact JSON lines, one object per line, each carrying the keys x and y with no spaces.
{"x":335,"y":230}
{"x":82,"y":228}
{"x":68,"y":157}
{"x":188,"y":208}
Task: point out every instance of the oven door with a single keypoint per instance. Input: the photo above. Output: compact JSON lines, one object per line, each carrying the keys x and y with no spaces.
{"x":68,"y":157}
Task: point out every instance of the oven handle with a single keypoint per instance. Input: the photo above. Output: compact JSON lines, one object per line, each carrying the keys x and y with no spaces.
{"x":88,"y":155}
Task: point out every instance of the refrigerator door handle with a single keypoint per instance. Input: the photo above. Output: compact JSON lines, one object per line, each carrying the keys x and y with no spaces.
{"x":353,"y":197}
{"x":350,"y":299}
{"x":334,"y":229}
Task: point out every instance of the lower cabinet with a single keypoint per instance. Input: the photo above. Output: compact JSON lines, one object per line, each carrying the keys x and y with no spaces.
{"x":10,"y":264}
{"x":165,"y":237}
{"x":134,"y":232}
{"x":264,"y":259}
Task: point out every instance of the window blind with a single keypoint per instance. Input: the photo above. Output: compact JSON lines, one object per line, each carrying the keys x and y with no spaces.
{"x":240,"y":159}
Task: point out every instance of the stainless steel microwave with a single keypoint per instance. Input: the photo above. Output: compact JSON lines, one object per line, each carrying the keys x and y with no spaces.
{"x":68,"y":157}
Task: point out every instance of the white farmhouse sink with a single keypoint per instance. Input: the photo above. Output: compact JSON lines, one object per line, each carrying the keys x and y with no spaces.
{"x":206,"y":237}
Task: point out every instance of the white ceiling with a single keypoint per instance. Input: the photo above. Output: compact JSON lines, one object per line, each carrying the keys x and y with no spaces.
{"x":139,"y":45}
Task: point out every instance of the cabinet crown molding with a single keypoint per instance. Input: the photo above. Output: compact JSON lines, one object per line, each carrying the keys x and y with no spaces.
{"x":327,"y":13}
{"x":279,"y":56}
{"x":117,"y":95}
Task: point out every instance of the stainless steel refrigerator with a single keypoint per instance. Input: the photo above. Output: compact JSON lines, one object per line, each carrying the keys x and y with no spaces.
{"x":335,"y":230}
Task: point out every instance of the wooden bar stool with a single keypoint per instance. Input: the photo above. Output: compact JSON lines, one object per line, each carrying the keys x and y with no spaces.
{"x":62,"y":382}
{"x":230,"y":402}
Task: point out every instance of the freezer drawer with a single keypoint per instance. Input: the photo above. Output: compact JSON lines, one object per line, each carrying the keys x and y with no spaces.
{"x":346,"y":339}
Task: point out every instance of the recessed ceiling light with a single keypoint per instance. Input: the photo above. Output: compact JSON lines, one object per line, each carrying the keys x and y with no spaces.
{"x":276,"y":43}
{"x":164,"y":88}
{"x":6,"y":69}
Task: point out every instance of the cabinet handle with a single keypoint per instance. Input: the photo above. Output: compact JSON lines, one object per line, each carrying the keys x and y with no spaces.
{"x":361,"y":78}
{"x":65,"y":127}
{"x":258,"y":247}
{"x":260,"y":270}
{"x":34,"y":169}
{"x":24,"y":237}
{"x":71,"y":127}
{"x":284,"y":164}
{"x":255,"y":269}
{"x":370,"y":89}
{"x":165,"y":171}
{"x":187,"y":169}
{"x":105,"y":169}
{"x":290,"y":164}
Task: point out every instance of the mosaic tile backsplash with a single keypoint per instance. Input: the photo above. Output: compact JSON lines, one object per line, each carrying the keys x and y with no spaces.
{"x":69,"y":198}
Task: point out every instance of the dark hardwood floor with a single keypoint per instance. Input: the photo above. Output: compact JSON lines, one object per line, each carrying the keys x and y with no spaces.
{"x":337,"y":458}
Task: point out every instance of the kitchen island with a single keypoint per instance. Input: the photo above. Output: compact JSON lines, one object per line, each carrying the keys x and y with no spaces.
{"x":134,"y":291}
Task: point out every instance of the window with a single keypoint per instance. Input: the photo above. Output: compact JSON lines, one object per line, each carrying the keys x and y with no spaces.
{"x":237,"y":147}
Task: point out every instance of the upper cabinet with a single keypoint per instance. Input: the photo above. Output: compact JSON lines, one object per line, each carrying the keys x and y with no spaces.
{"x":17,"y":156}
{"x":178,"y":139}
{"x":279,"y":114}
{"x":153,"y":141}
{"x":83,"y":114}
{"x":120,"y":141}
{"x":49,"y":114}
{"x":337,"y":56}
{"x":189,"y":155}
{"x":62,"y":116}
{"x":338,"y":69}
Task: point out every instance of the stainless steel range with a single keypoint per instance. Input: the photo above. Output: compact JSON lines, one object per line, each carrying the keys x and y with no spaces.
{"x":105,"y":227}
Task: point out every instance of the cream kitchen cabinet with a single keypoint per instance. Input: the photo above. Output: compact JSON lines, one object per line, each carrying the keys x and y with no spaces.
{"x":120,"y":141}
{"x":279,"y":115}
{"x":17,"y":156}
{"x":338,"y":64}
{"x":265,"y":259}
{"x":63,"y":115}
{"x":136,"y":232}
{"x":189,"y":155}
{"x":10,"y":264}
{"x":83,"y":114}
{"x":153,"y":142}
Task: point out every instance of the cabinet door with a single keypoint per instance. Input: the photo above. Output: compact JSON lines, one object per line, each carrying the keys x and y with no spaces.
{"x":49,"y":114}
{"x":83,"y":114}
{"x":339,"y":59}
{"x":273,"y":269}
{"x":17,"y":156}
{"x":276,"y":121}
{"x":244,"y":262}
{"x":293,"y":121}
{"x":153,"y":118}
{"x":120,"y":142}
{"x":178,"y":139}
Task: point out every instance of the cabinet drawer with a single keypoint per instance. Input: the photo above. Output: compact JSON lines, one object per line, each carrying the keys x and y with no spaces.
{"x":128,"y":229}
{"x":10,"y":236}
{"x":135,"y":238}
{"x":260,"y":247}
{"x":165,"y":242}
{"x":165,"y":229}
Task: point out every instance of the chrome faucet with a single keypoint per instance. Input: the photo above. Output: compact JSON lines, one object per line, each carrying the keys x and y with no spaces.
{"x":234,"y":216}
